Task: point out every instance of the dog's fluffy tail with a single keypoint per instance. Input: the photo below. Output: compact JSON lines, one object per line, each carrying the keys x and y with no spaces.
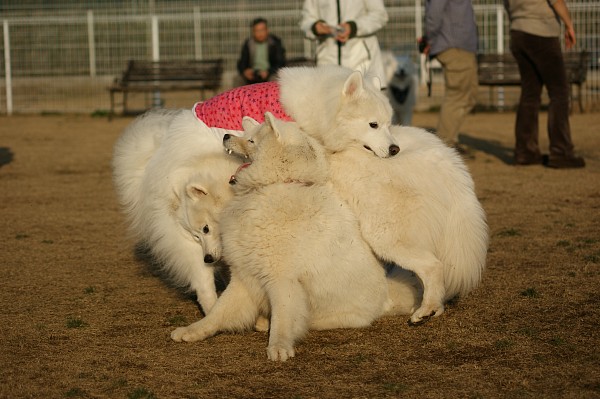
{"x":132,"y":152}
{"x":464,"y":243}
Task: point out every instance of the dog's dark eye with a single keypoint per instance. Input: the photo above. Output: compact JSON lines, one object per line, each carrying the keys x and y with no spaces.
{"x":251,"y":141}
{"x":205,"y":229}
{"x":374,"y":125}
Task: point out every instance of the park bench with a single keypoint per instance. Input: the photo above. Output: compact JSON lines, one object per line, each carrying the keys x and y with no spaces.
{"x":496,"y":70}
{"x":300,"y":62}
{"x":160,"y":76}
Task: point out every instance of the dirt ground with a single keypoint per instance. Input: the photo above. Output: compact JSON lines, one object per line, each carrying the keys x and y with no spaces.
{"x":82,"y":317}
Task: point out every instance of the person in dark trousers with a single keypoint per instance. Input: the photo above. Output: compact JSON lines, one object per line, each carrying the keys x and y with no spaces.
{"x":262,"y":54}
{"x":534,"y":42}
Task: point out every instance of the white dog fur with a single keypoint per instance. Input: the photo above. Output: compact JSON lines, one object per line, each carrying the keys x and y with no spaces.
{"x":294,"y":248}
{"x":416,"y":208}
{"x":171,"y":176}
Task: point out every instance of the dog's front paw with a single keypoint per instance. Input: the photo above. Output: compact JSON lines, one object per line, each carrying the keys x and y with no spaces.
{"x":186,"y":334}
{"x":262,"y":324}
{"x":279,"y":353}
{"x":424,"y":313}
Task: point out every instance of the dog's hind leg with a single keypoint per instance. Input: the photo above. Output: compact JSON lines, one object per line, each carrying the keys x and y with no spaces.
{"x":235,"y":310}
{"x":430,"y":271}
{"x":289,"y":317}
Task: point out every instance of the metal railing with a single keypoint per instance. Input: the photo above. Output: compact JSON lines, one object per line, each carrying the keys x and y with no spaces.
{"x":62,"y":61}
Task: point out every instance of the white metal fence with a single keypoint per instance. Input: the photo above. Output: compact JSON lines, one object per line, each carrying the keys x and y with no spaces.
{"x":62,"y":60}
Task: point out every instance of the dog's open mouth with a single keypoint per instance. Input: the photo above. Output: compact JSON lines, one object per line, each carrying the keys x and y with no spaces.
{"x":232,"y":179}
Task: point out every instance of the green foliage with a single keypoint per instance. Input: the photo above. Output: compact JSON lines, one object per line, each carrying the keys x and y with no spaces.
{"x":76,"y":322}
{"x":530,"y":293}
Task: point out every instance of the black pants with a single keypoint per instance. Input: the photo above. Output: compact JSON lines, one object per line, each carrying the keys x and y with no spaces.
{"x":541,"y":63}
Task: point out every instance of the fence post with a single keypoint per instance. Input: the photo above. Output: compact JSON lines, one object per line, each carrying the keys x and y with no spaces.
{"x":500,"y":47}
{"x":197,"y":34}
{"x":7,"y":71}
{"x":423,"y":71}
{"x":156,"y":101}
{"x":91,"y":42}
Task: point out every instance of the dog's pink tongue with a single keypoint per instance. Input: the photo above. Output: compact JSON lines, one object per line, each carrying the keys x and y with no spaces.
{"x":242,"y":166}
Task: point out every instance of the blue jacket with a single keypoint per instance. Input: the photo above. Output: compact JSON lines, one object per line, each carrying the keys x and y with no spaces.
{"x":450,"y":24}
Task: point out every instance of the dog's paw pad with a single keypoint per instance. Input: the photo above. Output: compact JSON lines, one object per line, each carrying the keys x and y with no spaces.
{"x":277,"y":353}
{"x":183,"y":334}
{"x":177,"y":334}
{"x":422,"y":315}
{"x":262,"y":324}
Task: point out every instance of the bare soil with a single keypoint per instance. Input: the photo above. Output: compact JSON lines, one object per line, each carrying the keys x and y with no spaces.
{"x":83,"y":317}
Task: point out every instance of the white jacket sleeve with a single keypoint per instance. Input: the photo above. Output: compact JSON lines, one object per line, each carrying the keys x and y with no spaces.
{"x":310,"y":15}
{"x":373,"y":20}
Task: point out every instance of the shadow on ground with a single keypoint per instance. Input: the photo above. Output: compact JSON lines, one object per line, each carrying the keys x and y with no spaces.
{"x":6,"y":156}
{"x":492,"y":147}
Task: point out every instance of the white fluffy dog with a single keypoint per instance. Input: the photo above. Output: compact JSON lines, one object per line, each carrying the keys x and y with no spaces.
{"x":294,"y":248}
{"x":153,"y":160}
{"x":171,"y":176}
{"x":416,"y":208}
{"x":402,"y":86}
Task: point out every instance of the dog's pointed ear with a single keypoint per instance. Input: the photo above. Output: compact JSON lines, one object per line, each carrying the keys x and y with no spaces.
{"x":353,"y":85}
{"x":248,"y":123}
{"x":195,"y":191}
{"x":272,"y":122}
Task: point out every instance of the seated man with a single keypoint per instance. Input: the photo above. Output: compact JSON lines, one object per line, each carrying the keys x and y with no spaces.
{"x":262,"y":54}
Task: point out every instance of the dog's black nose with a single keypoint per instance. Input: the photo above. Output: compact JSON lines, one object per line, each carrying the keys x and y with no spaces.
{"x":226,"y":137}
{"x":208,"y":259}
{"x":394,"y":149}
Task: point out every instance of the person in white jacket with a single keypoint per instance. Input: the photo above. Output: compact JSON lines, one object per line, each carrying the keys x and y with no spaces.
{"x":346,"y":31}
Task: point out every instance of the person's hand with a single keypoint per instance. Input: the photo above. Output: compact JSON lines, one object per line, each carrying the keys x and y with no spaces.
{"x":570,"y":37}
{"x":263,"y":74}
{"x":322,"y":29}
{"x":424,"y":46}
{"x":344,"y":34}
{"x":249,"y":74}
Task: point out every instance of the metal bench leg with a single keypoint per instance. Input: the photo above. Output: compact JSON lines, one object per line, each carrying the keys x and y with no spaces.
{"x":112,"y":105}
{"x":124,"y":102}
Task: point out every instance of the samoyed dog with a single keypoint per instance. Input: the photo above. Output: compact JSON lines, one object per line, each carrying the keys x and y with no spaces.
{"x":418,"y":210}
{"x":294,"y":247}
{"x":172,"y":179}
{"x":402,"y":86}
{"x":413,"y":196}
{"x":160,"y":152}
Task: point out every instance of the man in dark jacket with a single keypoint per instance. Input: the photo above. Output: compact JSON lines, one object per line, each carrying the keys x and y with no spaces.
{"x":262,"y":54}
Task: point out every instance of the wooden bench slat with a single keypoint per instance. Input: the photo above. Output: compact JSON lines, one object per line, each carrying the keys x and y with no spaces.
{"x":502,"y":70}
{"x":149,"y":76}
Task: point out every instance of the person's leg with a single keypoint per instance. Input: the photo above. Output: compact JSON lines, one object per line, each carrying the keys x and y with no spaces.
{"x":526,"y":126}
{"x":460,"y":75}
{"x":559,"y":129}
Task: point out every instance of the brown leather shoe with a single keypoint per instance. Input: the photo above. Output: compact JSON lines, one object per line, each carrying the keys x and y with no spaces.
{"x":530,"y":160}
{"x":562,"y":162}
